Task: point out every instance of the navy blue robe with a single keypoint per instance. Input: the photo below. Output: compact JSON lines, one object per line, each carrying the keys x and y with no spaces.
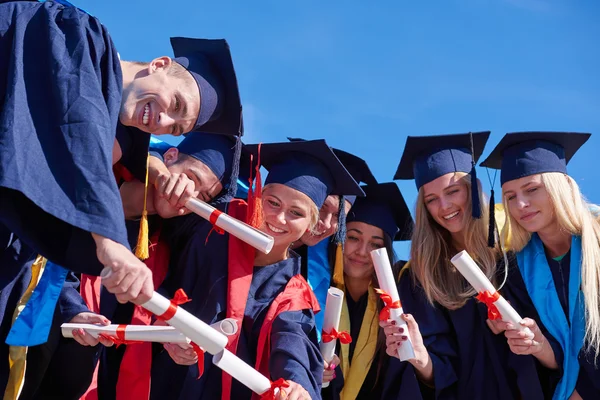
{"x":201,"y":270}
{"x":60,"y":96}
{"x":469,"y":361}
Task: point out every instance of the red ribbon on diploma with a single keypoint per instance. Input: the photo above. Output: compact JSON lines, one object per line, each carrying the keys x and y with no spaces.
{"x":278,"y":384}
{"x":119,"y":338}
{"x":384,"y":315}
{"x":179,"y":298}
{"x":200,"y":353}
{"x":344,"y":336}
{"x":214,"y":216}
{"x":489,"y":299}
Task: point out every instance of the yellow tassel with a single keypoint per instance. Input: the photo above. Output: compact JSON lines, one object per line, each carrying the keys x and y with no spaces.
{"x":141,"y":249}
{"x":338,"y":268}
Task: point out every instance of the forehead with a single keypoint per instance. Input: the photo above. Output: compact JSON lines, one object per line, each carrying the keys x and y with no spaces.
{"x":331,"y":203}
{"x":365,"y":229}
{"x":291,"y":197}
{"x":439,"y":184}
{"x":518,"y":183}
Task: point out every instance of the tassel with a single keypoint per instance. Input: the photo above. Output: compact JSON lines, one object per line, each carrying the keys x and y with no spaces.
{"x":231,"y":191}
{"x":340,"y":234}
{"x":338,"y":268}
{"x":475,"y":201}
{"x":255,"y":210}
{"x":492,"y":225}
{"x":141,"y":249}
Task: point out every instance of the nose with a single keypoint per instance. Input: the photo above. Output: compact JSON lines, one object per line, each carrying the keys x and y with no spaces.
{"x":445,"y":203}
{"x":522,"y":202}
{"x":281,"y":217}
{"x":165,"y":122}
{"x":362,"y":250}
{"x":326,"y":222}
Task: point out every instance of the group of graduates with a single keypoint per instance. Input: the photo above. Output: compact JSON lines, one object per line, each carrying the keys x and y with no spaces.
{"x":82,"y":183}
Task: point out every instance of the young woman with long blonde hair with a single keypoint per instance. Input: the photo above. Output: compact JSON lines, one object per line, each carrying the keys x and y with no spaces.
{"x":556,"y":235}
{"x":456,"y":354}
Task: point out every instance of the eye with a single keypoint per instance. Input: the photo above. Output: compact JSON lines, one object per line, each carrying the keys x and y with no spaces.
{"x":531,"y":190}
{"x":430,"y":200}
{"x":510,"y":197}
{"x":453,"y":192}
{"x":273,"y":203}
{"x":297,"y":213}
{"x":177,"y":103}
{"x":352,"y":238}
{"x":375,"y":245}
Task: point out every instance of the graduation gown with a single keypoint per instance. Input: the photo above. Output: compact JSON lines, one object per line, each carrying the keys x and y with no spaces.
{"x":553,"y":286}
{"x":363,"y":320}
{"x":469,"y":361}
{"x":60,"y":96}
{"x":201,"y":270}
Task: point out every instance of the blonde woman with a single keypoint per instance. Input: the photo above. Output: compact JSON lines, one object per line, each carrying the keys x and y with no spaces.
{"x":456,"y":354}
{"x":557,"y":239}
{"x":265,"y":293}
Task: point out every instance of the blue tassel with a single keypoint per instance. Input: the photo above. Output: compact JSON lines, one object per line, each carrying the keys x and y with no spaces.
{"x":231,"y":191}
{"x":492,"y":225}
{"x":475,"y":203}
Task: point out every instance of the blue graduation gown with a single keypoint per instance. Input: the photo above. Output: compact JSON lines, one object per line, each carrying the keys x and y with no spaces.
{"x":469,"y":361}
{"x":201,"y":270}
{"x":60,"y":96}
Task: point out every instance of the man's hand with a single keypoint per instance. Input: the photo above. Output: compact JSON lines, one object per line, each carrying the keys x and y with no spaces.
{"x":130,"y":280}
{"x":173,"y":190}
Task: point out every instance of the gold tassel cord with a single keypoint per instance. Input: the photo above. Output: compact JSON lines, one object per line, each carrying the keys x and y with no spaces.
{"x":141,"y":249}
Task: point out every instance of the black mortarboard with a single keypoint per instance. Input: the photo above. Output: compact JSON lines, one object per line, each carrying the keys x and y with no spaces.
{"x":309,"y":166}
{"x":384,"y":207}
{"x":521,"y":154}
{"x":209,"y":62}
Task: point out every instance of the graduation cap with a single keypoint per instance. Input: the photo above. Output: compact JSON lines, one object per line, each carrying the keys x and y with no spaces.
{"x":384,"y":207}
{"x":210,"y":64}
{"x":426,"y":158}
{"x":521,"y":154}
{"x":309,"y":166}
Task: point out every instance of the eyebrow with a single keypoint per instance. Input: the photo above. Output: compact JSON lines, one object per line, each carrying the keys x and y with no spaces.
{"x":359,"y":231}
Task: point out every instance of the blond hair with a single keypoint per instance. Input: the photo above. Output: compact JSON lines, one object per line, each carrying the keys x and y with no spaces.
{"x":431,"y":251}
{"x":573,"y":215}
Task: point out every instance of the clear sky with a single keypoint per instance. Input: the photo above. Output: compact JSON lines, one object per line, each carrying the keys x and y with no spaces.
{"x":365,"y":74}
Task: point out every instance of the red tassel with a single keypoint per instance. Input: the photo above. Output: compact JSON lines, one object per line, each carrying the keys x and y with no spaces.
{"x":255,"y":214}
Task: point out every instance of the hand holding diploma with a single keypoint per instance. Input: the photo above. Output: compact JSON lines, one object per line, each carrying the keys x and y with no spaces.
{"x":389,"y":295}
{"x":498,"y":307}
{"x":331,"y":321}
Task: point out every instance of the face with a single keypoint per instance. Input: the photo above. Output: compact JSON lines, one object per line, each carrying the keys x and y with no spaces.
{"x":361,"y":239}
{"x":160,"y":103}
{"x":207,"y":184}
{"x":328,"y":221}
{"x":446,"y":198}
{"x":286,"y":213}
{"x":529,"y":203}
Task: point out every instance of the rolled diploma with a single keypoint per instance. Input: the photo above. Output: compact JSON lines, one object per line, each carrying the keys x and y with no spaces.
{"x":386,"y":279}
{"x":241,"y":371}
{"x":227,"y":326}
{"x":255,"y":238}
{"x":142,"y":333}
{"x":199,"y":332}
{"x":331,"y":320}
{"x":473,"y":274}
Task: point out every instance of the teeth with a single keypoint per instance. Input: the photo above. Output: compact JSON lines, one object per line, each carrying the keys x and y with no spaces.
{"x":276,"y":230}
{"x":454,"y":214}
{"x":318,"y":233}
{"x":145,"y":118}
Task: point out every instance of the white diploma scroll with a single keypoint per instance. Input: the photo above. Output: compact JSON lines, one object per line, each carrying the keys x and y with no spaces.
{"x":255,"y":238}
{"x":473,"y":274}
{"x":331,"y":320}
{"x":387,"y":282}
{"x":241,"y":371}
{"x":137,"y":333}
{"x":227,"y":326}
{"x":199,"y":332}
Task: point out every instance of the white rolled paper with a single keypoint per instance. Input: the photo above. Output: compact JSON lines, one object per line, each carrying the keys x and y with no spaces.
{"x":387,"y":282}
{"x":199,"y":332}
{"x":255,"y":238}
{"x":475,"y":276}
{"x":331,"y":320}
{"x":227,"y":326}
{"x":141,"y":333}
{"x":241,"y":371}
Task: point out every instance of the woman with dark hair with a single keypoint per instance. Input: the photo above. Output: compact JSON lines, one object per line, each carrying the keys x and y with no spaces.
{"x":373,"y":223}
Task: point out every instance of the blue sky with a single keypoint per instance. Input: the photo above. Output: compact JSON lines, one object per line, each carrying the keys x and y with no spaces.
{"x":365,"y":74}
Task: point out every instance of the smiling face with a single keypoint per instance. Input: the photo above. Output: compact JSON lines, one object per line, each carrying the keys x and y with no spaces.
{"x":161,"y":99}
{"x":328,"y":221}
{"x":529,"y":203}
{"x":447,"y":201}
{"x":361,"y":239}
{"x":287,"y":213}
{"x":207,"y":184}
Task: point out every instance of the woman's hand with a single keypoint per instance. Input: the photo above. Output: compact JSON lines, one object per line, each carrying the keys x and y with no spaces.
{"x":84,"y":338}
{"x":181,"y":353}
{"x":293,"y":392}
{"x":534,"y":342}
{"x":329,"y":370}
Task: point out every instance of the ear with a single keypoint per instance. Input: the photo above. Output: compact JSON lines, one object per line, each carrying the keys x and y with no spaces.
{"x":160,"y":64}
{"x":171,"y":156}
